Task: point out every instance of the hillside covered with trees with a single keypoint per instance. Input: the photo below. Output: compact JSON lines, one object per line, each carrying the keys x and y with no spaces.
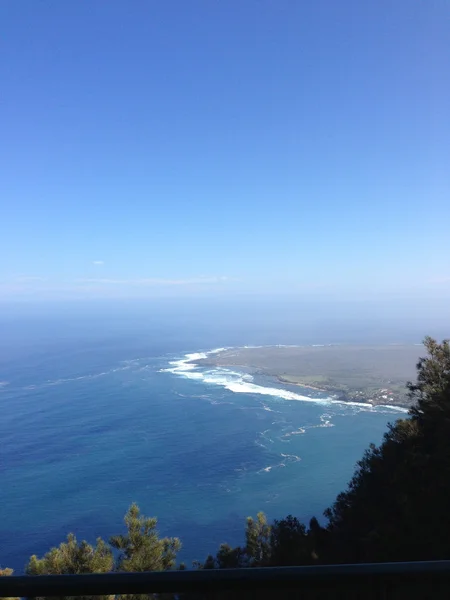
{"x":395,"y":507}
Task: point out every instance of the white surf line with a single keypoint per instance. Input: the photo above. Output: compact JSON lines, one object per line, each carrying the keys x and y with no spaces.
{"x":239,"y":383}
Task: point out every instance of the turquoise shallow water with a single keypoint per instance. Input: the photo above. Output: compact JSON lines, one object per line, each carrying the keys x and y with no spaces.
{"x":90,"y":423}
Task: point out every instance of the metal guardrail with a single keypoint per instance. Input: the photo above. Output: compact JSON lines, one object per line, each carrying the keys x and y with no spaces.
{"x":432,"y":576}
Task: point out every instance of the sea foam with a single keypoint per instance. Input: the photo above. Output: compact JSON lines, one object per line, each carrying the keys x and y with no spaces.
{"x":242,"y":383}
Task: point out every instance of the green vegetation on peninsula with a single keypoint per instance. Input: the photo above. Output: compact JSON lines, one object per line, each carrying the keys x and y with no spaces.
{"x":372,"y":374}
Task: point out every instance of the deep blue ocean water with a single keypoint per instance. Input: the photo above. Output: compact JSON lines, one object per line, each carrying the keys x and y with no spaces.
{"x":95,"y":416}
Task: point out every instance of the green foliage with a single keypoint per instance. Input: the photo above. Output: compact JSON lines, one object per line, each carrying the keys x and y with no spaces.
{"x":432,"y":388}
{"x":141,"y":547}
{"x":255,"y":553}
{"x":396,"y":505}
{"x":229,"y":558}
{"x":257,"y":537}
{"x":6,"y":573}
{"x":289,"y":543}
{"x":71,"y":558}
{"x":285,"y":542}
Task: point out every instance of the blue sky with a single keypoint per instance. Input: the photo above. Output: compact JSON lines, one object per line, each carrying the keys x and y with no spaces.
{"x":224,"y":147}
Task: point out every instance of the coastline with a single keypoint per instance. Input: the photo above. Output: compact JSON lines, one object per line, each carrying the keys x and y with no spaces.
{"x":281,"y":379}
{"x":337,"y":393}
{"x":345,"y":377}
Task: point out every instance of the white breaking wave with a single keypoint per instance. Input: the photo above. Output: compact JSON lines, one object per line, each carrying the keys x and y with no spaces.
{"x":241,"y":383}
{"x":298,"y":431}
{"x":325,"y":421}
{"x":216,"y":350}
{"x":287,"y":458}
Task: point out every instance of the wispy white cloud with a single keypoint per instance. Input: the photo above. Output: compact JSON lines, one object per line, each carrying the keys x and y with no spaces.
{"x":98,"y":263}
{"x":155,"y":281}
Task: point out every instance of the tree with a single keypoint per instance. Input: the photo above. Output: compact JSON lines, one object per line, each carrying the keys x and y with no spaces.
{"x":431,"y":392}
{"x":288,"y":543}
{"x":7,"y":573}
{"x":318,"y":540}
{"x":141,"y":550}
{"x":396,"y":505}
{"x":141,"y":547}
{"x":257,"y":537}
{"x":255,"y":553}
{"x":71,"y":558}
{"x":229,"y":558}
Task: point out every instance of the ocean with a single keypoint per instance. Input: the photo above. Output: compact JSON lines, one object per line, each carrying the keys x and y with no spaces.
{"x":98,"y":412}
